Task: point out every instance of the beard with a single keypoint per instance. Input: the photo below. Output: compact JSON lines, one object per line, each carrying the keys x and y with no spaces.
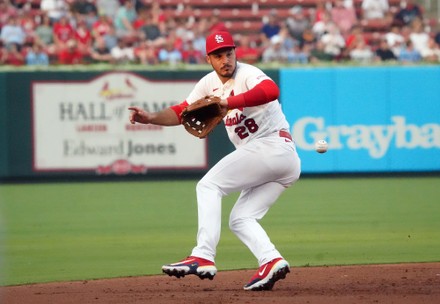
{"x":228,"y":70}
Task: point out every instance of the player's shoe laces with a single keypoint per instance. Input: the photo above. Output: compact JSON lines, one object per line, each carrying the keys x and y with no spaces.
{"x":191,"y":265}
{"x":268,"y":274}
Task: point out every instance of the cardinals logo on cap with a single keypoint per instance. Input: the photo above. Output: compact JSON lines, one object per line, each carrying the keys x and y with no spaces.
{"x":219,"y":40}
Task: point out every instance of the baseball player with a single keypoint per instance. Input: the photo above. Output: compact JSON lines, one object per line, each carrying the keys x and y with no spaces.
{"x":262,"y":166}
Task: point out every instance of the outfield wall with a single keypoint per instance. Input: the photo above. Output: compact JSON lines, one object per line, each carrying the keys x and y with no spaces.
{"x":382,"y":119}
{"x":74,"y":123}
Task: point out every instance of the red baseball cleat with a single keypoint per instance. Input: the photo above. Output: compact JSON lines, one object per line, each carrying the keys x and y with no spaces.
{"x":191,"y":265}
{"x":268,"y":274}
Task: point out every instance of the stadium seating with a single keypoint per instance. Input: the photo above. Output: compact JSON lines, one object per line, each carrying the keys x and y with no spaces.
{"x":246,"y":16}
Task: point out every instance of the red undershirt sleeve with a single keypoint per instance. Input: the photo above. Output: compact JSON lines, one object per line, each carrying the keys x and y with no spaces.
{"x":179,"y":108}
{"x":264,"y":92}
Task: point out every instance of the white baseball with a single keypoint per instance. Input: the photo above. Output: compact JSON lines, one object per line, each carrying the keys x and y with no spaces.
{"x":321,"y":146}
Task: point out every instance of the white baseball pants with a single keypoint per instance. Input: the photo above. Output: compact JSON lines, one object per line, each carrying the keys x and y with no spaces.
{"x":261,"y":170}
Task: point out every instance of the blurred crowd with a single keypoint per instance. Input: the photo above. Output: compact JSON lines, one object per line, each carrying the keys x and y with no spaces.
{"x":66,"y":32}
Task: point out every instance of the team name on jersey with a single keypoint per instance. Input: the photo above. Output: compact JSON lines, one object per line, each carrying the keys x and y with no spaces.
{"x":235,"y":120}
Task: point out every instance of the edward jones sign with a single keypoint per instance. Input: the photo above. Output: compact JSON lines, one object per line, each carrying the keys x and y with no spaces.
{"x":84,"y":126}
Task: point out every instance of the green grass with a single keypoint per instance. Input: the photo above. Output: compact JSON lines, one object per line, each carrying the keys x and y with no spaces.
{"x":192,"y":67}
{"x":54,"y":232}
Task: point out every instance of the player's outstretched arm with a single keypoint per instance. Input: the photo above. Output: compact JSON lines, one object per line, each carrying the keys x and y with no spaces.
{"x":166,"y":117}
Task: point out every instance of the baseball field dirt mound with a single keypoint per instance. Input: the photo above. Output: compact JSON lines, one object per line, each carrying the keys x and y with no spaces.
{"x":399,"y":283}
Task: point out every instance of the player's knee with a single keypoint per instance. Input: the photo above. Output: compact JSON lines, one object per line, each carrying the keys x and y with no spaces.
{"x":235,"y":222}
{"x":205,"y":186}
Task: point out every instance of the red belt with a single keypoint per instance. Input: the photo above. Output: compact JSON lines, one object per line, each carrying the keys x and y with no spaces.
{"x":285,"y":134}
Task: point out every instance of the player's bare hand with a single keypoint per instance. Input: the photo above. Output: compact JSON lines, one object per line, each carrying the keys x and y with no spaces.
{"x":139,"y":115}
{"x":224,"y":105}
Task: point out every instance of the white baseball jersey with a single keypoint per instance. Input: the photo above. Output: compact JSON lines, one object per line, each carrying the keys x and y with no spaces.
{"x":247,"y":123}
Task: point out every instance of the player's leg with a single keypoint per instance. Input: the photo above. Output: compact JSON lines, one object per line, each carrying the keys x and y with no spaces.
{"x":209,"y":196}
{"x":251,"y":207}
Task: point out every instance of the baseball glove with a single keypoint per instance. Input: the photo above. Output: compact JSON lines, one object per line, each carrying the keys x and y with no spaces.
{"x":202,"y":116}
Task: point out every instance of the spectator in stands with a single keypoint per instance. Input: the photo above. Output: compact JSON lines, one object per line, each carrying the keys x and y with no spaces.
{"x":375,"y":9}
{"x":408,"y":12}
{"x":343,"y":17}
{"x":55,"y":9}
{"x":145,"y":52}
{"x":408,"y":54}
{"x":246,"y":50}
{"x":406,"y":31}
{"x":104,"y":28}
{"x":44,"y":32}
{"x":175,"y":39}
{"x":123,"y":52}
{"x":395,"y":39}
{"x":319,"y":12}
{"x":100,"y":53}
{"x":276,"y":52}
{"x":90,"y":19}
{"x":297,"y":22}
{"x":125,"y":16}
{"x":384,"y":52}
{"x":418,"y":36}
{"x":361,"y":53}
{"x":170,"y":54}
{"x":62,"y":33}
{"x":270,"y":28}
{"x":108,"y":7}
{"x":83,"y":37}
{"x":199,"y":40}
{"x":70,"y":54}
{"x":141,"y":18}
{"x":333,"y":42}
{"x":12,"y":33}
{"x":321,"y":27}
{"x":318,"y":53}
{"x":298,"y":54}
{"x":6,"y":11}
{"x":37,"y":56}
{"x":150,"y":31}
{"x":287,"y":40}
{"x":356,"y":35}
{"x":432,"y":52}
{"x":308,"y":38}
{"x":12,"y":55}
{"x":159,"y":16}
{"x":190,"y":55}
{"x":183,"y":29}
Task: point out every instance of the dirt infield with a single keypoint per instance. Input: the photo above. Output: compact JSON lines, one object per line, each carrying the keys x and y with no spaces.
{"x":400,"y":283}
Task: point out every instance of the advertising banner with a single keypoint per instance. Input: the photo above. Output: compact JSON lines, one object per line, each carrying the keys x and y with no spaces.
{"x":374,"y":119}
{"x":83,"y":126}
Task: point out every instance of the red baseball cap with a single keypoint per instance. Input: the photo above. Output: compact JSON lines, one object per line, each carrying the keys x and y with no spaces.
{"x":219,"y":40}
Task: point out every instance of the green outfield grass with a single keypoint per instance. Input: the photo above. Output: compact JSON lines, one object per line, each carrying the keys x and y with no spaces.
{"x":75,"y":231}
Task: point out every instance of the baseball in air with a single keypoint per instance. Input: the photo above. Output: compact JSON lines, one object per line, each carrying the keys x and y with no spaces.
{"x":321,"y":146}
